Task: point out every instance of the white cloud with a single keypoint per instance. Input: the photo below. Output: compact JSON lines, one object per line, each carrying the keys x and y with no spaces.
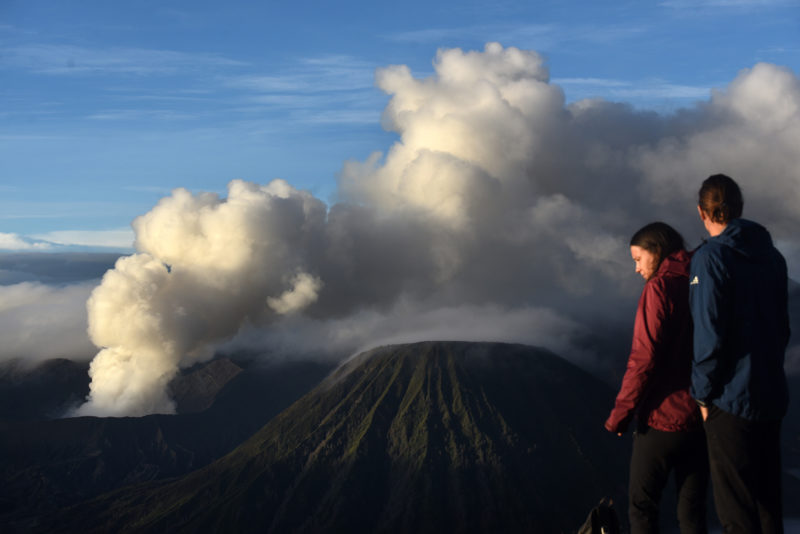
{"x":16,"y":242}
{"x":498,"y":207}
{"x":590,"y":82}
{"x":39,"y":322}
{"x":748,"y":130}
{"x":120,"y":238}
{"x":313,"y":75}
{"x":141,"y":114}
{"x":533,"y":36}
{"x":328,"y":89}
{"x":272,"y":84}
{"x":157,"y":189}
{"x":304,"y":291}
{"x":14,"y":210}
{"x":71,"y":60}
{"x":408,"y":322}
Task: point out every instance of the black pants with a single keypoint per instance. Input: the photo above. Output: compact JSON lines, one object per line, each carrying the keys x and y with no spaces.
{"x":655,"y":455}
{"x":745,"y":459}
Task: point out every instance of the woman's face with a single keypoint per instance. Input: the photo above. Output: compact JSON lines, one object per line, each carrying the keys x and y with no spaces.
{"x":646,"y":262}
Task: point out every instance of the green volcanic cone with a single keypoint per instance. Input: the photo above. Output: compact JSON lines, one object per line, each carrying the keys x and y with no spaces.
{"x":428,"y":437}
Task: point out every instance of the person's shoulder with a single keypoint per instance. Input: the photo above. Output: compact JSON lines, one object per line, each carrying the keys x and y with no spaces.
{"x":706,"y":250}
{"x":708,"y":258}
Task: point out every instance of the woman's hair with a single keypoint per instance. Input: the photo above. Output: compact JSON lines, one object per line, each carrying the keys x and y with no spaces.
{"x":720,"y":198}
{"x":658,"y":238}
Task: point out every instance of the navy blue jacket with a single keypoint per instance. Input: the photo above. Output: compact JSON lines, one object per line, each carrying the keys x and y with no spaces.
{"x":738,"y":297}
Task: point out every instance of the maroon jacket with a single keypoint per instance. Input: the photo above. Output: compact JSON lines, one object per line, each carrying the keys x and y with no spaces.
{"x":655,"y":387}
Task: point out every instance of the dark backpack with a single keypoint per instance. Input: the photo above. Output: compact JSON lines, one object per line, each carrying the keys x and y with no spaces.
{"x":602,"y":519}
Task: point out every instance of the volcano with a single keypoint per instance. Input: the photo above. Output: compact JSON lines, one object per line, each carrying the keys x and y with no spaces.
{"x":426,"y":437}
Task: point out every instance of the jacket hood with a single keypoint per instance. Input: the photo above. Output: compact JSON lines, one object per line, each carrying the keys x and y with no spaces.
{"x":676,"y":263}
{"x":747,"y":238}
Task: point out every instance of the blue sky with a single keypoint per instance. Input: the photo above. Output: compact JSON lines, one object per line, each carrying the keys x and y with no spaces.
{"x":107,"y":106}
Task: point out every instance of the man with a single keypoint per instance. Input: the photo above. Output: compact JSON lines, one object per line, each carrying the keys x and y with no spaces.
{"x":739,"y":303}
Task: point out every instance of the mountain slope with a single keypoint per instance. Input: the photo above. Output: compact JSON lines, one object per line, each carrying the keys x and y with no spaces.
{"x":53,"y":388}
{"x":44,"y":391}
{"x":45,"y":465}
{"x":429,"y":437}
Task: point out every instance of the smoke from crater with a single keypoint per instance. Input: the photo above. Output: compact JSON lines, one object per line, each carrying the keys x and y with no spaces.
{"x":497,"y":203}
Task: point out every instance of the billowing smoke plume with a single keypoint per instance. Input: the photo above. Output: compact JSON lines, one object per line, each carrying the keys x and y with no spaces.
{"x":497,"y":203}
{"x":205,"y":267}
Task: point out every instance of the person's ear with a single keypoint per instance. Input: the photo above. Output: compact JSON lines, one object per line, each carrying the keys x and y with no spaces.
{"x":702,"y":214}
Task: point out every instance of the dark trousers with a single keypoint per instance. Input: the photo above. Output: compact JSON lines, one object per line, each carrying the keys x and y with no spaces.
{"x":745,"y":459}
{"x":656,"y":454}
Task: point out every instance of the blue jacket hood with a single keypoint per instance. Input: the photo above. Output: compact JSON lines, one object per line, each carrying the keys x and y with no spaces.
{"x":747,"y":238}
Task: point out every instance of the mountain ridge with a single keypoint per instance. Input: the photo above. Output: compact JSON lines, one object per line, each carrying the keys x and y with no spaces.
{"x":427,"y":437}
{"x":49,"y":464}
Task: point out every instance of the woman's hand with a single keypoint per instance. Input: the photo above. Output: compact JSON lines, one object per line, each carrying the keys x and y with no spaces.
{"x":616,"y":427}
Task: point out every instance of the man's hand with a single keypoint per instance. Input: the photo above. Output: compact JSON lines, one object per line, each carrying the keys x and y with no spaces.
{"x":704,"y":412}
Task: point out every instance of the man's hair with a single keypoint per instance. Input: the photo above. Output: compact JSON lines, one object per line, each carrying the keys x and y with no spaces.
{"x":658,"y":238}
{"x":720,"y":198}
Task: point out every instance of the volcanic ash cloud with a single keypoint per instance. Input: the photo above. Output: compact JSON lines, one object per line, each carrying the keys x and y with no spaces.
{"x":496,"y":196}
{"x":206,"y":266}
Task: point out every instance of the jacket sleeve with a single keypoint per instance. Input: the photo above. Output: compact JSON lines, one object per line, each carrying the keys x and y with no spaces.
{"x":648,"y":331}
{"x":708,"y":300}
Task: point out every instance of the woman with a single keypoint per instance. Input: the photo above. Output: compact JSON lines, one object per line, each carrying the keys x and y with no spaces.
{"x":655,"y":388}
{"x":738,"y":298}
